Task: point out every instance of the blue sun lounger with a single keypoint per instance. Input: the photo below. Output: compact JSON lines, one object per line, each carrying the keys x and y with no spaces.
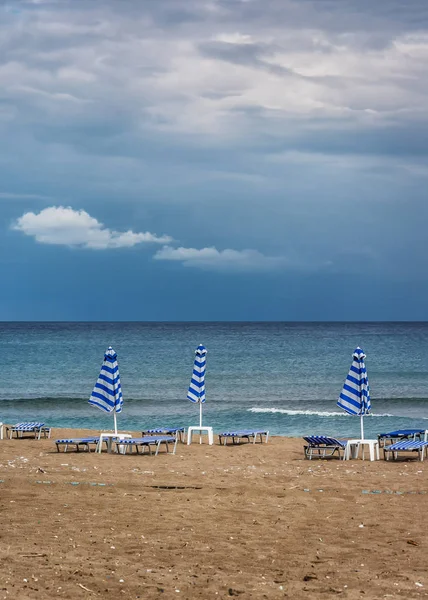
{"x":239,"y":434}
{"x":177,"y":431}
{"x":33,"y":427}
{"x":322,"y":446}
{"x":401,"y":435}
{"x":406,"y":446}
{"x":77,"y":442}
{"x":146,"y":442}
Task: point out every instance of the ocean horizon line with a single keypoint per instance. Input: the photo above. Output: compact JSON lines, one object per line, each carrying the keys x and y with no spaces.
{"x":214,"y":322}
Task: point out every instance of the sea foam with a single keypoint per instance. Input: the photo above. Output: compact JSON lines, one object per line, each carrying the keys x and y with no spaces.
{"x":286,"y":411}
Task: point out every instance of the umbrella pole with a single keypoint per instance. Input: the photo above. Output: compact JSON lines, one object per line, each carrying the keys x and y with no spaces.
{"x":362,"y":426}
{"x":115,"y":421}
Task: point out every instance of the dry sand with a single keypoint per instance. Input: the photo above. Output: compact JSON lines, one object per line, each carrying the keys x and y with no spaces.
{"x":211,"y":522}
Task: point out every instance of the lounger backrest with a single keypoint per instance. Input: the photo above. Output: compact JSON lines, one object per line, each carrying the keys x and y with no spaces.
{"x":317,"y":440}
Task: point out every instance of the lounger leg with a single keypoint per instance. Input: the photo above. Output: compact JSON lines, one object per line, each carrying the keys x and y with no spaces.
{"x":175,"y":446}
{"x":157,"y":448}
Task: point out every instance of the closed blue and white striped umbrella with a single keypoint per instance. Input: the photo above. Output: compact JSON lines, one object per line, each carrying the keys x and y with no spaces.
{"x":355,"y":396}
{"x":196,"y":391}
{"x":107,"y":393}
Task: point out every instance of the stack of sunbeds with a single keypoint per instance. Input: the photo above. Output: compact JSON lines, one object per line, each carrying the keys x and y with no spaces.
{"x":244,"y":434}
{"x":393,"y":443}
{"x":78,"y":443}
{"x":178,"y":432}
{"x":404,"y":440}
{"x":147,"y":442}
{"x":35,"y":428}
{"x":322,"y":446}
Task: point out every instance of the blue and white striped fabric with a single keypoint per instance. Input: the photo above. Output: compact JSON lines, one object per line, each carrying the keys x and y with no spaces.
{"x":107,"y":393}
{"x":355,"y":396}
{"x":196,"y":391}
{"x":406,"y":445}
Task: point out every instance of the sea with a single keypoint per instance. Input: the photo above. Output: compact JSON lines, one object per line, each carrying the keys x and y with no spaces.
{"x":283,"y":377}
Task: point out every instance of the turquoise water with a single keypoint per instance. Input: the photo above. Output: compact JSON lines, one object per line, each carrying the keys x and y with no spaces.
{"x":285,"y":377}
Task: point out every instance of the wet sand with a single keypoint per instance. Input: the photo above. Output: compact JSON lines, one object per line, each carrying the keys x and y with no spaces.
{"x":210,"y":522}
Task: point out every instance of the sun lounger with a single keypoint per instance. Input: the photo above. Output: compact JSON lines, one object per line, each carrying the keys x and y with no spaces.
{"x":146,"y":442}
{"x":36,"y":428}
{"x":248,"y":434}
{"x":77,"y":442}
{"x":406,"y":446}
{"x":176,"y":431}
{"x":401,"y":435}
{"x":323,"y":446}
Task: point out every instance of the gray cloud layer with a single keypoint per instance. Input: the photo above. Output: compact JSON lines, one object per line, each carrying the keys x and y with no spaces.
{"x":281,"y":115}
{"x":218,"y":68}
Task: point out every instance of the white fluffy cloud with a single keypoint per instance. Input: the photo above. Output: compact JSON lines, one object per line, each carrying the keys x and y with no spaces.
{"x":211,"y":258}
{"x":68,"y":227}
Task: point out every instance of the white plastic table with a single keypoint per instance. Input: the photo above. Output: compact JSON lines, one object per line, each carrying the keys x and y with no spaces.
{"x":109,"y":437}
{"x":353,"y":447}
{"x":208,"y":430}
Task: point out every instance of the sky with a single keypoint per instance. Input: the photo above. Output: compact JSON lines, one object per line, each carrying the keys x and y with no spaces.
{"x":213,"y":160}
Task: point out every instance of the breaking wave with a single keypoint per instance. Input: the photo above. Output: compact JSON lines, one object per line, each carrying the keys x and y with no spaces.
{"x":319,"y":413}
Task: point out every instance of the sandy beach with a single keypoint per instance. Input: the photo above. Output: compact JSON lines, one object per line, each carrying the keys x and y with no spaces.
{"x":210,"y":522}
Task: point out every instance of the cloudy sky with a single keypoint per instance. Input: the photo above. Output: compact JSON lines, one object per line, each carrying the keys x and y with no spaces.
{"x":213,"y":159}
